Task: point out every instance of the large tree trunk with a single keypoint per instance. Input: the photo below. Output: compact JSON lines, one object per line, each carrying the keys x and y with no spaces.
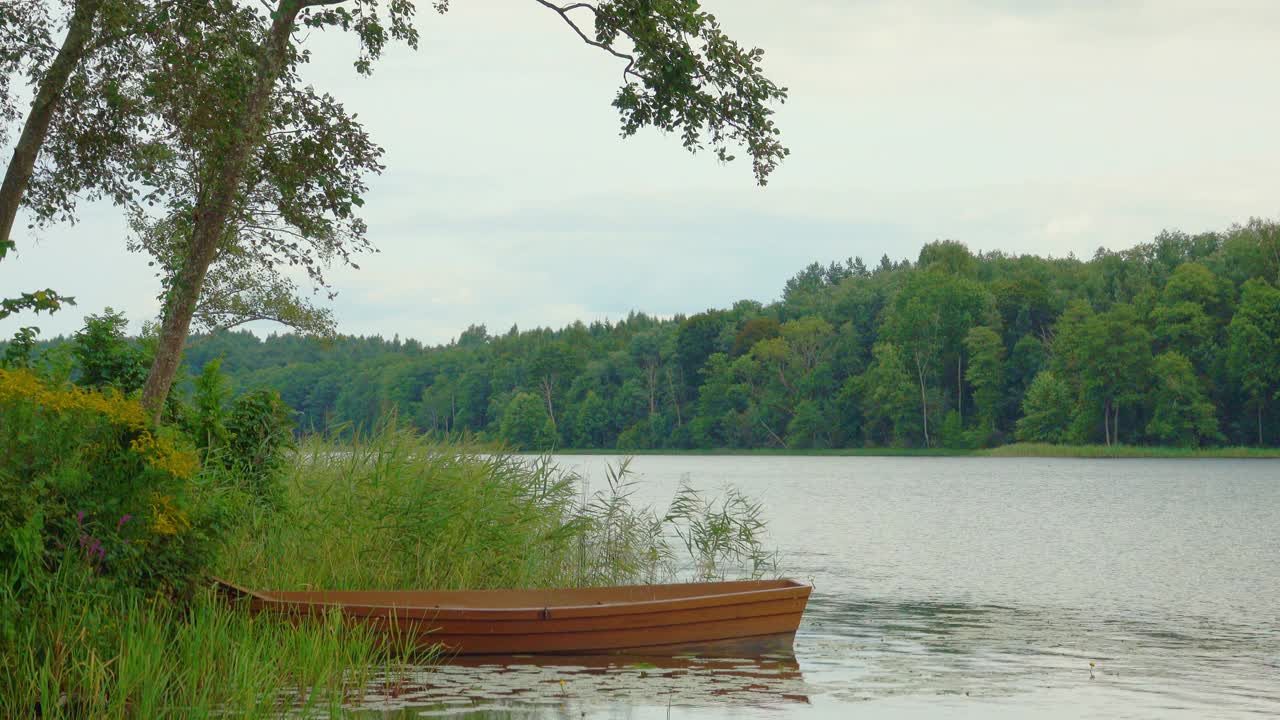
{"x":960,"y":388}
{"x":43,"y":107}
{"x":1259,"y":423}
{"x":214,"y":208}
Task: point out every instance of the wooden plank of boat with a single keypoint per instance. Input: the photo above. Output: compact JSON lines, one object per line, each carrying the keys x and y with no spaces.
{"x":726,"y":619}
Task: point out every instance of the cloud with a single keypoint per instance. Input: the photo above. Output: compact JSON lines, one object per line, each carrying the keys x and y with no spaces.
{"x":509,"y":197}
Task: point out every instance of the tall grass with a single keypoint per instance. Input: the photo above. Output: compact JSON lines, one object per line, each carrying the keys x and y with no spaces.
{"x":89,"y":654}
{"x":394,"y":510}
{"x":389,"y":510}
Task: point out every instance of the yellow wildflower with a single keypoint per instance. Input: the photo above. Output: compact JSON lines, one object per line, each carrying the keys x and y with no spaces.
{"x":165,"y":518}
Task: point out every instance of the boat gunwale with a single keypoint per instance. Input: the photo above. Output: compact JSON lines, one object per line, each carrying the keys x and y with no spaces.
{"x":792,"y":589}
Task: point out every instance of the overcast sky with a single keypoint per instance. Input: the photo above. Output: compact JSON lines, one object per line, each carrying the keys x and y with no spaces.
{"x":1030,"y":126}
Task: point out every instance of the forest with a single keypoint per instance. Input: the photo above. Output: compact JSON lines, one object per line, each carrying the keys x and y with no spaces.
{"x":1173,"y":342}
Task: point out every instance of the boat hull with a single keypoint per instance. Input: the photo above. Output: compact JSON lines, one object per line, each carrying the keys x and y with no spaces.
{"x":739,"y":619}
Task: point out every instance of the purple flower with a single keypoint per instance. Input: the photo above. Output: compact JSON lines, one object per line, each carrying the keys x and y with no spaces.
{"x":80,"y":518}
{"x":124,"y":519}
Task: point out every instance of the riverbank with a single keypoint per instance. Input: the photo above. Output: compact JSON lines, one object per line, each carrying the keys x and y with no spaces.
{"x":393,"y":510}
{"x":1017,"y":450}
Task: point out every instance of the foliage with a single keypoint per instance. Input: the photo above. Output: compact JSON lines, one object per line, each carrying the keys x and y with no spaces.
{"x":1182,"y":415}
{"x":986,"y":374}
{"x":86,"y":480}
{"x":1047,"y":410}
{"x":1254,"y":354}
{"x":39,"y":301}
{"x":83,"y":651}
{"x":259,"y":438}
{"x":106,"y":356}
{"x":839,"y":376}
{"x":20,"y":352}
{"x":391,"y":509}
{"x":684,"y":75}
{"x":720,"y":533}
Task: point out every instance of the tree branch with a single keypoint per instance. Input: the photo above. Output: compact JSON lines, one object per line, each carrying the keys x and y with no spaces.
{"x":564,"y":11}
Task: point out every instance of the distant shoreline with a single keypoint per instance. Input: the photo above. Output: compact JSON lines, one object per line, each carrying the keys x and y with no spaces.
{"x":1017,"y":450}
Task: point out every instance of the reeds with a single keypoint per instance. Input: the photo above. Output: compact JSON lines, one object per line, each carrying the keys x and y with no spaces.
{"x":390,"y":510}
{"x":395,"y":510}
{"x":87,"y":654}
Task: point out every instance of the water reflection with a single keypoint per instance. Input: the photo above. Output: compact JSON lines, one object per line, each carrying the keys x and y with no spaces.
{"x":858,"y":650}
{"x":975,"y":587}
{"x":554,"y":687}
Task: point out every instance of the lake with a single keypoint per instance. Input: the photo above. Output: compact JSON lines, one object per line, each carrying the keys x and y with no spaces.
{"x":960,"y":587}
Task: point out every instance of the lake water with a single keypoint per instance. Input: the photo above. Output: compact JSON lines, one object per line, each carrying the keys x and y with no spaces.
{"x":960,"y":587}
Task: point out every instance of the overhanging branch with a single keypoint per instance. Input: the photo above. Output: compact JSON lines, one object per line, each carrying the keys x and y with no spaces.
{"x":563,"y":12}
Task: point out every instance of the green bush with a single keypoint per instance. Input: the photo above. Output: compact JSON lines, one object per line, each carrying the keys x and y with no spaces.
{"x":106,"y":356}
{"x":245,"y":442}
{"x":85,"y":478}
{"x":259,"y":438}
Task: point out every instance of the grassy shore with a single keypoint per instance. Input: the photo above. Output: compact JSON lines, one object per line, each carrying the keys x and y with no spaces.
{"x":1126,"y":451}
{"x":1009,"y":451}
{"x":389,"y":511}
{"x":765,"y":452}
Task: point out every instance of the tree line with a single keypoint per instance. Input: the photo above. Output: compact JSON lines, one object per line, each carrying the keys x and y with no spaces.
{"x":1172,"y":342}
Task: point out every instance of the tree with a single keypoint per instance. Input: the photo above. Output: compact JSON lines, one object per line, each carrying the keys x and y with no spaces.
{"x":592,"y":422}
{"x":1190,"y":314}
{"x":887,"y":402}
{"x":1182,"y":415}
{"x":646,"y":352}
{"x":696,"y":340}
{"x":525,"y":423}
{"x":986,"y":374}
{"x":1026,"y":360}
{"x":244,"y":284}
{"x":929,"y":319}
{"x":752,"y":332}
{"x":950,"y":256}
{"x":1118,"y":352}
{"x":26,"y":48}
{"x":807,"y":339}
{"x":1047,"y":410}
{"x":106,"y":356}
{"x":682,"y":74}
{"x":552,"y":366}
{"x":215,"y":83}
{"x":1253,"y":355}
{"x":76,"y":107}
{"x":808,"y":427}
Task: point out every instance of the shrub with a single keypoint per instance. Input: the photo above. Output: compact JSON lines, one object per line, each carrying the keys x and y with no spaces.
{"x":259,"y":436}
{"x":245,"y":443}
{"x":106,"y":356}
{"x":85,"y":478}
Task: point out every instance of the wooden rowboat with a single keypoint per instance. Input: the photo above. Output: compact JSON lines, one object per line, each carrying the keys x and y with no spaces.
{"x":724,"y":619}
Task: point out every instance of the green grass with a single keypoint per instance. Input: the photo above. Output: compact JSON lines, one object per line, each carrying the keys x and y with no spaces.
{"x":1014,"y":450}
{"x":88,"y":654}
{"x":824,"y":452}
{"x":1126,"y":451}
{"x":398,"y":511}
{"x":388,"y":511}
